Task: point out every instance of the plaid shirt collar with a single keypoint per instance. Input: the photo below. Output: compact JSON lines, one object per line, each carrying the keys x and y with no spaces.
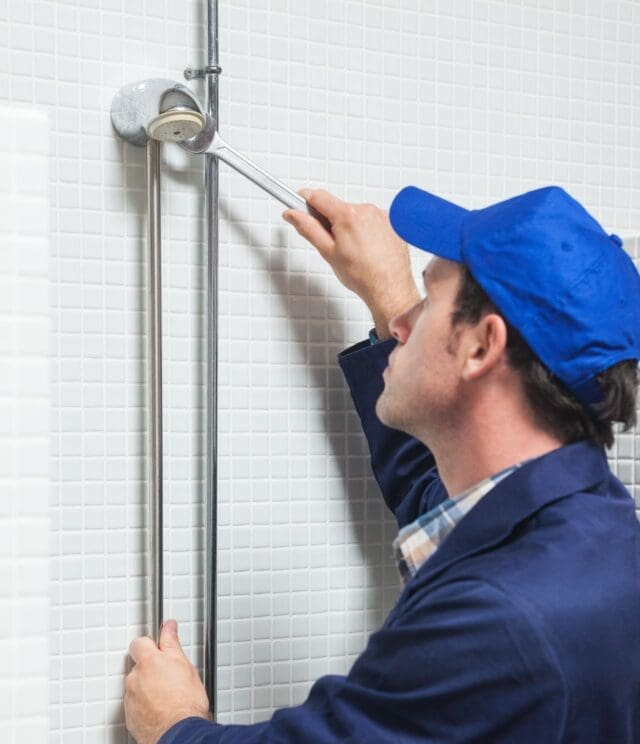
{"x":419,"y":540}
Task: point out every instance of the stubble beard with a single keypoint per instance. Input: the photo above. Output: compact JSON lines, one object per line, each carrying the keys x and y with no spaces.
{"x":431,"y":419}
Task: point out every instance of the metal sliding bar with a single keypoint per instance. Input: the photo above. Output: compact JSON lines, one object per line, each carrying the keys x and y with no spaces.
{"x":154,"y":384}
{"x":211,"y":387}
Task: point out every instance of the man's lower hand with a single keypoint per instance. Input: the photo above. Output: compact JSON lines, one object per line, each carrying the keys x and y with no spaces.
{"x":163,"y":687}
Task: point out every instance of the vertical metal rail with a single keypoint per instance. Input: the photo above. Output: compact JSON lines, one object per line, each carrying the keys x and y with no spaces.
{"x":154,"y":384}
{"x":211,"y":387}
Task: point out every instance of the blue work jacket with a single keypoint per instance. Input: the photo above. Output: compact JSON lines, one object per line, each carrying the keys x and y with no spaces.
{"x":524,"y":625}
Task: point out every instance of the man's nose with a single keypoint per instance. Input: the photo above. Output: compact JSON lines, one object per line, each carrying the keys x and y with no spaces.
{"x":400,"y":325}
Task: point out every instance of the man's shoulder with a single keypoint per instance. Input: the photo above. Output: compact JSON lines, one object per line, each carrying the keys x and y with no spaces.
{"x":571,"y":573}
{"x":562,"y":549}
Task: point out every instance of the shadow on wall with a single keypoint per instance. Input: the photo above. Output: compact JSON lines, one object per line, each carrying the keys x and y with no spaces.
{"x":365,"y":488}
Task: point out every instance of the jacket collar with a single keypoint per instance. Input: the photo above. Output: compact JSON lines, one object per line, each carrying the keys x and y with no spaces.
{"x":570,"y":469}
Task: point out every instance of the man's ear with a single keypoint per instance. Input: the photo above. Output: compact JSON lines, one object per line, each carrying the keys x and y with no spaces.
{"x":484,"y":346}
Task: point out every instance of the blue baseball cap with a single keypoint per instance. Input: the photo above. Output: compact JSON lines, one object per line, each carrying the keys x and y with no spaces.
{"x":567,"y":286}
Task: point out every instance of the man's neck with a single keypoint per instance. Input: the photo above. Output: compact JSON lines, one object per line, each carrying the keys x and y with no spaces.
{"x":461,"y":476}
{"x":465,"y":459}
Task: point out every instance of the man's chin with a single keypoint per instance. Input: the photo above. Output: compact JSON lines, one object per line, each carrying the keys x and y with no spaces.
{"x":383,"y":412}
{"x":392,"y":417}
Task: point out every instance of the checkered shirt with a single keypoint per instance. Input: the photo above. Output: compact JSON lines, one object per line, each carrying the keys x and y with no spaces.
{"x":419,"y":540}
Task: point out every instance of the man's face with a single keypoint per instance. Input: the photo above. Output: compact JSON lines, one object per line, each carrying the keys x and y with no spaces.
{"x":422,"y":382}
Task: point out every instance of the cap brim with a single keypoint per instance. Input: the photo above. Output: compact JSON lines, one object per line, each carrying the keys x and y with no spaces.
{"x":428,"y":222}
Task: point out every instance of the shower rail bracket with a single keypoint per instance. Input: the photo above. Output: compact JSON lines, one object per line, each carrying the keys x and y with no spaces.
{"x":191,"y":74}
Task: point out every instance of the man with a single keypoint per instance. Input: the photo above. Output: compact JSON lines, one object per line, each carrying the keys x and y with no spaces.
{"x":520,"y":551}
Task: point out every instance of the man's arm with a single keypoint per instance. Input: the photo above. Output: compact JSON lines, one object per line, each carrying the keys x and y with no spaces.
{"x":459,"y":663}
{"x":371,"y":260}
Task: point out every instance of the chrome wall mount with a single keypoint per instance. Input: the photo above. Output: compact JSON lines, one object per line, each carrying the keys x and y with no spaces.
{"x":147,"y":113}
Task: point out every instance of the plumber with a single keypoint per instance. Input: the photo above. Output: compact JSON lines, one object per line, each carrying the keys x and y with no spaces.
{"x":488,"y":404}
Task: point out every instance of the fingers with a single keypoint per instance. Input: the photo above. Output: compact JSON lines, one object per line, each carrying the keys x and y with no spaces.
{"x":328,"y":204}
{"x":142,"y":647}
{"x":311,"y":229}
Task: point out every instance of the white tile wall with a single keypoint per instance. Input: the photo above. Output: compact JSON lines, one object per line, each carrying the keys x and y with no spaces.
{"x":24,"y":425}
{"x":474,"y":100}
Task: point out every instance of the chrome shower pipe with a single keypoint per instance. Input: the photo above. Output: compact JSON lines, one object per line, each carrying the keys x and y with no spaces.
{"x":211,"y":386}
{"x":154,"y":383}
{"x":210,"y":74}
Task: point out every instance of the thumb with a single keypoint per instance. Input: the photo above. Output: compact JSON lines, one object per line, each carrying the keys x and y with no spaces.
{"x":169,"y":636}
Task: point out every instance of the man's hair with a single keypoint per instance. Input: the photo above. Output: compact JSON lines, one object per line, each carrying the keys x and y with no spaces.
{"x":554,"y":407}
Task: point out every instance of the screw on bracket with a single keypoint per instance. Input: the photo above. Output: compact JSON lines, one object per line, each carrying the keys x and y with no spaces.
{"x":190,"y":73}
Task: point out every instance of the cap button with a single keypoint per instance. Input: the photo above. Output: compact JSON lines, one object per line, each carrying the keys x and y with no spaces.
{"x":616,"y":239}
